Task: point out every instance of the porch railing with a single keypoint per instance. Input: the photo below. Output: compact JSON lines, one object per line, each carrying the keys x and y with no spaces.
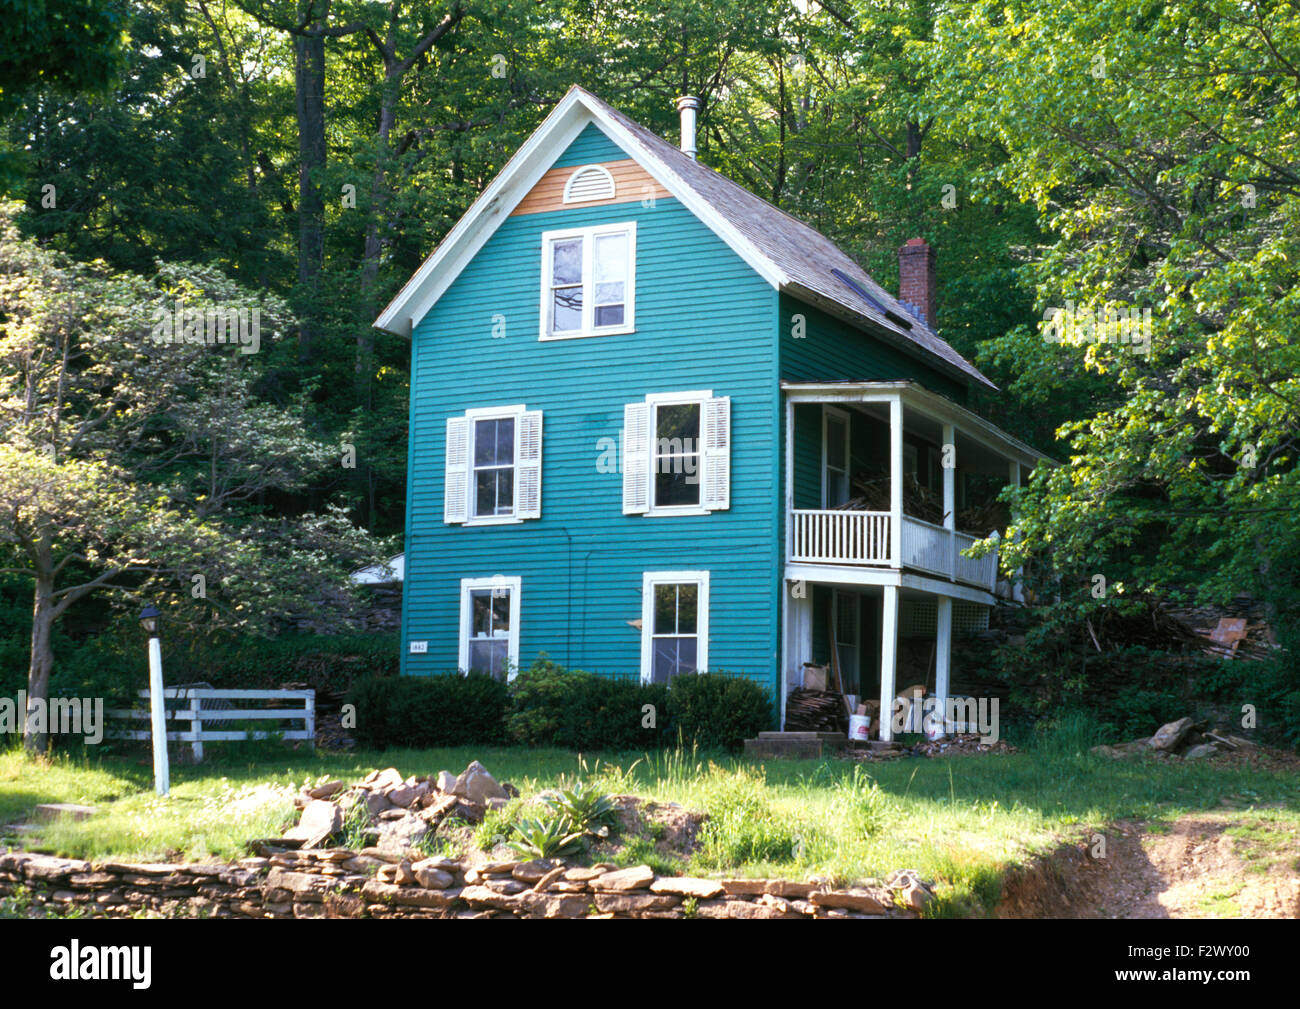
{"x":831,"y":536}
{"x":840,"y":537}
{"x":932,"y":548}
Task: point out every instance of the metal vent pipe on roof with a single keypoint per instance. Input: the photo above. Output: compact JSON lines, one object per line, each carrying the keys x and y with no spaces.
{"x":688,"y":105}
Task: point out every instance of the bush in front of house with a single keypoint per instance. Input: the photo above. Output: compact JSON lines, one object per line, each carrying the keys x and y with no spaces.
{"x":428,"y":711}
{"x":576,"y":710}
{"x":717,"y":711}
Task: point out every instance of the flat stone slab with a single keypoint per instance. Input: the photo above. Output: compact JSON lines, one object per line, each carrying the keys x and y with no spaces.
{"x":48,"y":811}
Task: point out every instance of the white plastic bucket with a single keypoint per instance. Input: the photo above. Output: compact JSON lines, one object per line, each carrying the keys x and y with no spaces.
{"x":859,"y":726}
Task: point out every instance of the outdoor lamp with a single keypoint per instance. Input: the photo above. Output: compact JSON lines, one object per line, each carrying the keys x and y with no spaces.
{"x":157,"y":715}
{"x":149,"y":619}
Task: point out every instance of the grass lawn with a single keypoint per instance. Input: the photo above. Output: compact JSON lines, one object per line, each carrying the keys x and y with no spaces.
{"x":961,"y":822}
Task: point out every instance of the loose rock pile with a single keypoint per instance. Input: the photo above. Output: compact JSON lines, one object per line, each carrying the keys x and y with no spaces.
{"x":1185,"y":738}
{"x":393,"y":812}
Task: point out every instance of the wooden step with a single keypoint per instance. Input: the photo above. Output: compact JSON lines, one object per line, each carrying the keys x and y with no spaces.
{"x":796,"y":745}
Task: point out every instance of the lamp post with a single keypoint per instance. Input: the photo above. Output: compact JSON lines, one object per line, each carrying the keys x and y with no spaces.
{"x":158,"y":717}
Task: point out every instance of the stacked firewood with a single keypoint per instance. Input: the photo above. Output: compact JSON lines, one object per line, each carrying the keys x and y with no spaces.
{"x":871,"y":493}
{"x":815,"y":711}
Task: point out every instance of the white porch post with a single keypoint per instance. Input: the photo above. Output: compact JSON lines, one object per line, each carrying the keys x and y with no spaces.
{"x":950,"y":498}
{"x":789,"y":478}
{"x":943,"y":659}
{"x":888,"y":661}
{"x":896,"y":482}
{"x":1017,"y":589}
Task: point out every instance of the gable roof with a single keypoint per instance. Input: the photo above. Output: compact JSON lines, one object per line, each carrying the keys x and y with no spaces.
{"x":787,"y":253}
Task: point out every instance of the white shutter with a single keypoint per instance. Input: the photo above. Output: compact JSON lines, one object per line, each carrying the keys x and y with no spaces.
{"x":455,"y":489}
{"x":528,"y":466}
{"x":636,"y":458}
{"x":717,"y":453}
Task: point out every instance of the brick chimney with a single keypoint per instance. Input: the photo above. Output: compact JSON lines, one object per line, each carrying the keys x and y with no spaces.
{"x":916,"y":279}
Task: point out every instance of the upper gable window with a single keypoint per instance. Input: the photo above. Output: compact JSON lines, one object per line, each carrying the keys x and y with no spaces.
{"x":588,"y":183}
{"x":588,"y":281}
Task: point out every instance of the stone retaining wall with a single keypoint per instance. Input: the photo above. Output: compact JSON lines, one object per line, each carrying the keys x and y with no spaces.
{"x":338,"y":883}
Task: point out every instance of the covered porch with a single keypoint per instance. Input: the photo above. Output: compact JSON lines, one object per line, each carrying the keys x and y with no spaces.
{"x":879,"y":634}
{"x":888,"y":475}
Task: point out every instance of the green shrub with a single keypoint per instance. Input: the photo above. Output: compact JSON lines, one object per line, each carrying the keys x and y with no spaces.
{"x":576,"y":710}
{"x":429,"y":711}
{"x":717,"y":711}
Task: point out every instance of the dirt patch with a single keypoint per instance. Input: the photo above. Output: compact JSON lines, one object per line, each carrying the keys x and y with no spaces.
{"x":673,"y":829}
{"x":1205,"y":865}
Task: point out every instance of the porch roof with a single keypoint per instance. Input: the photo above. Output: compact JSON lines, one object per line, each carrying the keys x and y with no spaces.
{"x":915,"y":395}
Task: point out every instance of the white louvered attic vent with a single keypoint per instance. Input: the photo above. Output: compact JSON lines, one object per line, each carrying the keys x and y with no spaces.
{"x":590,"y":182}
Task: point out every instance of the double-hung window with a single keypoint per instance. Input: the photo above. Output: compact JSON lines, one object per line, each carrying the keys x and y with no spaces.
{"x":494,"y":466}
{"x":489,"y":626}
{"x":588,"y":281}
{"x":677,"y":454}
{"x":674,"y":624}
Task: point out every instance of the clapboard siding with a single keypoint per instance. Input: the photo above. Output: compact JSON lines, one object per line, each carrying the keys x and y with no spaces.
{"x":704,"y":320}
{"x":632,"y":184}
{"x":832,"y":350}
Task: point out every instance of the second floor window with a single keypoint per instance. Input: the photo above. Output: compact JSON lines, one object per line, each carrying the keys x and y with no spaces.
{"x":588,"y":281}
{"x":676,"y":455}
{"x":494,"y":467}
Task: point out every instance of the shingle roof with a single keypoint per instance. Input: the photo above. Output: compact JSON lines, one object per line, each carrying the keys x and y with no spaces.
{"x":806,"y":257}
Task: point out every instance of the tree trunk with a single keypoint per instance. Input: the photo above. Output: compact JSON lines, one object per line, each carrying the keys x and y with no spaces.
{"x":41,"y":662}
{"x":309,"y":88}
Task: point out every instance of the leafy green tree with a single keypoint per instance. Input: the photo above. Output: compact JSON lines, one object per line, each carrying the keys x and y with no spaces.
{"x":1158,"y":144}
{"x":136,"y":460}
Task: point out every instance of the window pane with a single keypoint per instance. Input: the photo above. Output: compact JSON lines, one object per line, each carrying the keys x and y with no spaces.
{"x":494,"y":442}
{"x":494,"y":492}
{"x":566,"y":261}
{"x":665,"y":609}
{"x":686,"y":655}
{"x":491,"y":656}
{"x":680,"y":421}
{"x":687,"y":607}
{"x":501,"y":612}
{"x":672,"y":656}
{"x":663,"y":666}
{"x":836,"y":433}
{"x":677,"y":489}
{"x":480,"y":612}
{"x":609,"y":315}
{"x":611,"y":259}
{"x":566,"y":309}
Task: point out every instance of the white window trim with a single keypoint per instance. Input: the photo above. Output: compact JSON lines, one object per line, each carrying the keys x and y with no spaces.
{"x":490,"y":413}
{"x":511,"y":582}
{"x":588,"y":236}
{"x":580,"y":170}
{"x":842,"y":415}
{"x":657,"y":399}
{"x":649,"y":579}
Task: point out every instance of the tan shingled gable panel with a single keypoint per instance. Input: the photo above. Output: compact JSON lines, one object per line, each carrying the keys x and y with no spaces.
{"x":632,"y":183}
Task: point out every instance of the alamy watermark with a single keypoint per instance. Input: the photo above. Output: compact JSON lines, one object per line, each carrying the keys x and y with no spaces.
{"x":1117,"y":324}
{"x":210,"y":325}
{"x":59,"y":716}
{"x":934,"y":716}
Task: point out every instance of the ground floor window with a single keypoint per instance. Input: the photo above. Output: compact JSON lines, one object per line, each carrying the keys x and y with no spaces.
{"x":674,"y":624}
{"x":489,"y":626}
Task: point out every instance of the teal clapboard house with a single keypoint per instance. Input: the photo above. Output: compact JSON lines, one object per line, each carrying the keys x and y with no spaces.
{"x":659,"y":426}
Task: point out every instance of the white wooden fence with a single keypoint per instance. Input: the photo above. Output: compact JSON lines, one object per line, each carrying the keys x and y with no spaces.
{"x":196,"y":713}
